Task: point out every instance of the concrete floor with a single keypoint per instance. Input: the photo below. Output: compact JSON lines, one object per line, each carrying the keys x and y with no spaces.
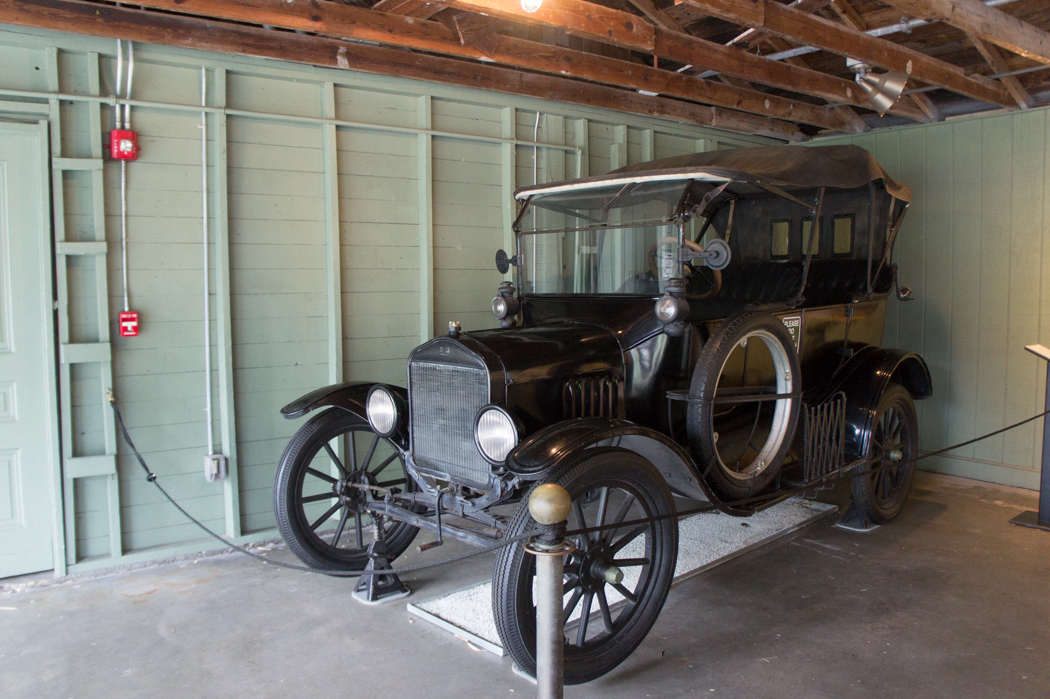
{"x":949,"y":601}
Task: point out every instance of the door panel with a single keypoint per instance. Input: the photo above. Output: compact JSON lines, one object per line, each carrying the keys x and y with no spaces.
{"x":26,"y":437}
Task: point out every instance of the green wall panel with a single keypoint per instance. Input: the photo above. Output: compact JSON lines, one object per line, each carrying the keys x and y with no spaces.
{"x":975,"y":248}
{"x":278,"y":219}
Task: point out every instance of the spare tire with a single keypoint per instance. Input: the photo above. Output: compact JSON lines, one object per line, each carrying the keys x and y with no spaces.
{"x":739,"y":432}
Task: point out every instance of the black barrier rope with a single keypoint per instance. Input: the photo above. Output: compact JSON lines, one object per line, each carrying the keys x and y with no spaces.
{"x":540,"y":529}
{"x":152,"y":478}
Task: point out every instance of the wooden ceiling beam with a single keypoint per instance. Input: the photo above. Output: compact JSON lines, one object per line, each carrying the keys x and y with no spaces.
{"x":194,"y":33}
{"x":617,"y":27}
{"x":998,"y":63}
{"x":837,"y":38}
{"x":991,"y":24}
{"x":476,"y":43}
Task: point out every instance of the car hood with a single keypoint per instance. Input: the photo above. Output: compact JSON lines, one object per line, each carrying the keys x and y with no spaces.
{"x":554,"y":349}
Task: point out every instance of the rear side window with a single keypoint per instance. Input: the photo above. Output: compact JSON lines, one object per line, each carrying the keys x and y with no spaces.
{"x":807,"y":226}
{"x":842,"y":235}
{"x":780,"y":238}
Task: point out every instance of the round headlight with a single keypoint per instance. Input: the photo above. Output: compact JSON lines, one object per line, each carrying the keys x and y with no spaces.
{"x":495,"y":434}
{"x":667,"y":309}
{"x":382,"y":411}
{"x":499,"y":307}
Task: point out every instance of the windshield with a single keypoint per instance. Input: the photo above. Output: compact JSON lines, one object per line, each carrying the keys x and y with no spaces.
{"x":629,"y":260}
{"x":611,"y":239}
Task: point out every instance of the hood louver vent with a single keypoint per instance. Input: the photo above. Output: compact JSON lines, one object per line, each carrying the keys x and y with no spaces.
{"x":591,"y":396}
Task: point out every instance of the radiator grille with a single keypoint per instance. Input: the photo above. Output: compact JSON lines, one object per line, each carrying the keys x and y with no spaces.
{"x":445,"y":399}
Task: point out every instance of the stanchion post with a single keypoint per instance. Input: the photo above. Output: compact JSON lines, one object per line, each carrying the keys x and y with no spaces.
{"x":549,"y":505}
{"x":1041,"y":519}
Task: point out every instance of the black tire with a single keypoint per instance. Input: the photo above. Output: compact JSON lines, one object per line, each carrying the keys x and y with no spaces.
{"x":306,"y":496}
{"x":738,"y":468}
{"x":881,"y":494}
{"x":614,"y":474}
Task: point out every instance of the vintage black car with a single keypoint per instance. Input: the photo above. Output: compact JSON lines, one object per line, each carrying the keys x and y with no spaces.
{"x":704,"y":328}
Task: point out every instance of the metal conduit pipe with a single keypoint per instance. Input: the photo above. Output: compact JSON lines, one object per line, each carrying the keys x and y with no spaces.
{"x":905,"y":27}
{"x":124,"y":171}
{"x":127,"y":93}
{"x":114,"y":101}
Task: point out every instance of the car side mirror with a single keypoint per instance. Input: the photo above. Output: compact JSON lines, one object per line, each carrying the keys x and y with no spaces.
{"x":503,"y":262}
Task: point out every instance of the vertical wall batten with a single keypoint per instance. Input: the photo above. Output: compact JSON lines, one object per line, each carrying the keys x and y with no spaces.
{"x":333,"y":241}
{"x":223,"y":316}
{"x":648,"y":145}
{"x":61,"y":287}
{"x":109,"y":429}
{"x":508,"y":161}
{"x":582,"y":136}
{"x":425,"y":198}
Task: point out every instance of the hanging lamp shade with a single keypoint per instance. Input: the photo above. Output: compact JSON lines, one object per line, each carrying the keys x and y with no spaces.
{"x":883,"y":89}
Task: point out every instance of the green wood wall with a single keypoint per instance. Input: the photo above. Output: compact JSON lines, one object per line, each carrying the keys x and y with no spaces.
{"x":335,"y":250}
{"x":975,"y":248}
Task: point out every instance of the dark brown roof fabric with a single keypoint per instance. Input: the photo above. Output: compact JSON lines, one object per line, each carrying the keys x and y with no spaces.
{"x":843,"y":167}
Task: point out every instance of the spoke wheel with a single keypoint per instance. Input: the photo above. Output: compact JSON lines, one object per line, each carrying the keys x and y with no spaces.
{"x":320,"y":513}
{"x":606,"y":617}
{"x":882,"y":493}
{"x":739,"y":428}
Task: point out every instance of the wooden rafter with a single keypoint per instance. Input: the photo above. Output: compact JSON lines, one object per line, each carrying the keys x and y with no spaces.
{"x":624,"y":29}
{"x":344,"y":21}
{"x":191,"y":32}
{"x":848,"y":14}
{"x":998,"y":63}
{"x":989,"y":23}
{"x":927,"y":106}
{"x":420,"y":9}
{"x":834,"y":37}
{"x":473,"y":28}
{"x":656,"y":15}
{"x":756,"y":36}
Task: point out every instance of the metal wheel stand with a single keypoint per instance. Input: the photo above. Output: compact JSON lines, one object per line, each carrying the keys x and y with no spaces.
{"x":1031,"y":518}
{"x":379,"y":588}
{"x":856,"y":521}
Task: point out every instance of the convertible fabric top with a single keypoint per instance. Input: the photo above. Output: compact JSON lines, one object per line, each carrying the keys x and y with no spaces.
{"x":841,"y":167}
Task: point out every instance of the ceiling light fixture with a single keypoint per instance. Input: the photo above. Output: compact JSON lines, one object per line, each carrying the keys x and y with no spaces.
{"x":883,"y":89}
{"x":531,"y":6}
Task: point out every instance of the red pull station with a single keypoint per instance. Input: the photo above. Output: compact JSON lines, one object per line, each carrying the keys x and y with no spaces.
{"x":123,"y":145}
{"x":129,"y":323}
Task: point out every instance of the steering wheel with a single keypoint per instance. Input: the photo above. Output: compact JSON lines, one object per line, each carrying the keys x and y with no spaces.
{"x":687,"y":269}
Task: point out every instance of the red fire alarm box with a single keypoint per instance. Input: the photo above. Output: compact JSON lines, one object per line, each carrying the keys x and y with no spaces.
{"x":129,"y":323}
{"x":123,"y":144}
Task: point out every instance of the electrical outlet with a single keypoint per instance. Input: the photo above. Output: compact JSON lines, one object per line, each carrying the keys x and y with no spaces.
{"x":214,"y":467}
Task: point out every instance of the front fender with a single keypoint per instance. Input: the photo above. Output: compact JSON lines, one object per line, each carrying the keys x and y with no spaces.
{"x":865,"y":377}
{"x":550,"y":447}
{"x":350,"y":396}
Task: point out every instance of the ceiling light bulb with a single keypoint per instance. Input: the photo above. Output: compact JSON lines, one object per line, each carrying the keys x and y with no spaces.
{"x":531,"y":5}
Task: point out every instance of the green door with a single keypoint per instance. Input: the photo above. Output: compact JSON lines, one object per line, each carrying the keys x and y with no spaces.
{"x":26,"y":353}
